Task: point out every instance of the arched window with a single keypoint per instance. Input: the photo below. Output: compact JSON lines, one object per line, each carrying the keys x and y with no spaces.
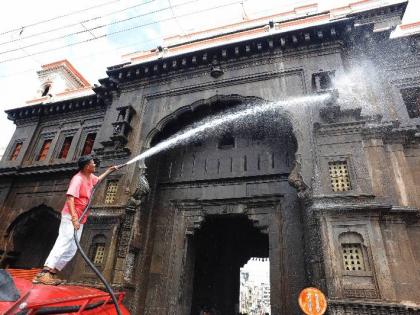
{"x":353,"y":252}
{"x":97,"y":250}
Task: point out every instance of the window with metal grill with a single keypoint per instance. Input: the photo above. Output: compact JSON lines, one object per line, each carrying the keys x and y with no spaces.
{"x":90,"y":140}
{"x":44,"y":150}
{"x":339,"y":175}
{"x":65,"y":147}
{"x":353,"y":257}
{"x":111,"y":191}
{"x":16,"y":151}
{"x":97,"y":250}
{"x":99,"y":254}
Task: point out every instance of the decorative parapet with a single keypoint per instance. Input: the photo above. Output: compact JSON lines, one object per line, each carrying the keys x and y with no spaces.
{"x":344,"y":307}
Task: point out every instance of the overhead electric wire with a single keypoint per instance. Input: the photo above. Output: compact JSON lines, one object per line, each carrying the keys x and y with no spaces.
{"x":77,"y":23}
{"x":2,"y":77}
{"x":96,"y":27}
{"x":58,"y":17}
{"x":120,"y":31}
{"x":173,"y":14}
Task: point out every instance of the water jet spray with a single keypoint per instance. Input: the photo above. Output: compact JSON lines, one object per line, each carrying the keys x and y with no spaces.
{"x":189,"y":134}
{"x":212,"y":124}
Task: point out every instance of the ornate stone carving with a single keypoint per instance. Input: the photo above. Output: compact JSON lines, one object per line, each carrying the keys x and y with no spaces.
{"x":295,"y":178}
{"x":216,"y":71}
{"x":341,"y":307}
{"x":361,"y":293}
{"x":133,"y":205}
{"x":125,"y":235}
{"x":140,"y":193}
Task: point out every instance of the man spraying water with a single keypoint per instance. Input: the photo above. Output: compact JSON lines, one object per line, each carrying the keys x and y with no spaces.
{"x":78,"y":195}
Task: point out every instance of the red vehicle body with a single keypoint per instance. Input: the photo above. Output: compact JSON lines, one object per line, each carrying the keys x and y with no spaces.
{"x":62,"y":299}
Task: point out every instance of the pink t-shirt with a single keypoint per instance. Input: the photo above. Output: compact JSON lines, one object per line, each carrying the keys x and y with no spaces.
{"x":80,"y":188}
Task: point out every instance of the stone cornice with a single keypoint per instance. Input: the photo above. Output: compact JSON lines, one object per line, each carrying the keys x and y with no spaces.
{"x":366,"y":203}
{"x":226,"y":181}
{"x":349,"y":121}
{"x":277,"y":43}
{"x":272,"y":42}
{"x":39,"y":169}
{"x":347,"y":127}
{"x":70,"y":105}
{"x":377,"y":14}
{"x":391,"y":132}
{"x":363,"y":306}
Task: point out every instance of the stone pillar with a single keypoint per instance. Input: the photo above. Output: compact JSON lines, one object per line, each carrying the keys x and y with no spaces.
{"x":402,"y":178}
{"x":123,"y":244}
{"x":378,"y":167}
{"x":402,"y":276}
{"x":127,"y":246}
{"x":188,"y":219}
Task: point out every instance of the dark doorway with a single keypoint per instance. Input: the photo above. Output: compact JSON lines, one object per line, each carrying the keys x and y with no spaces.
{"x":223,"y":245}
{"x":32,"y":235}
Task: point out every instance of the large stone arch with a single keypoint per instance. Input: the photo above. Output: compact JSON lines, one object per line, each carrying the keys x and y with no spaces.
{"x":177,"y":208}
{"x":190,"y":108}
{"x":30,"y":237}
{"x":301,"y":132}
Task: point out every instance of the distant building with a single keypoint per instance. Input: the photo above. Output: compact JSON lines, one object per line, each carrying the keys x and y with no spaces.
{"x":328,"y":190}
{"x":254,"y":290}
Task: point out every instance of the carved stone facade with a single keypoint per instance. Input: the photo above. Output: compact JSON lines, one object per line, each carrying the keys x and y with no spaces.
{"x":328,"y":190}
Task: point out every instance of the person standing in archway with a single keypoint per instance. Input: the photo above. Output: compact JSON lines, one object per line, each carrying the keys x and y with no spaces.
{"x":78,"y":195}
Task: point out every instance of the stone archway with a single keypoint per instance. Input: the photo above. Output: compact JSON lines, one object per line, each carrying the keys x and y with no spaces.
{"x":189,"y":113}
{"x":200,"y":223}
{"x":242,"y":171}
{"x":30,"y":238}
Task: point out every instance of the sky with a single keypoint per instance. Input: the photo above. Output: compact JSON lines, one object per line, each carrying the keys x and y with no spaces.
{"x":259,"y":270}
{"x":94,"y":34}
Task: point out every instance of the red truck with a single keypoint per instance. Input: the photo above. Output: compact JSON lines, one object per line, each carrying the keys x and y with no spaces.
{"x":19,"y":296}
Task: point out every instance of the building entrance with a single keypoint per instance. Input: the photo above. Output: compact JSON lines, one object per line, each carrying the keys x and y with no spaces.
{"x":223,"y":245}
{"x":30,"y":238}
{"x":215,"y":203}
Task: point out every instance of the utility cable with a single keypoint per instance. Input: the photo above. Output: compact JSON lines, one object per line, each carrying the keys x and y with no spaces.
{"x":94,"y":28}
{"x":119,"y":31}
{"x":2,"y":77}
{"x":174,"y":15}
{"x":58,"y":17}
{"x":77,"y":23}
